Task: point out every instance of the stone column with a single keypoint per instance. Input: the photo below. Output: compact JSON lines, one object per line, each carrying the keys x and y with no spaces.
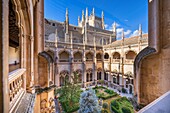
{"x":84,"y":66}
{"x":102,"y":65}
{"x":109,"y":75}
{"x":32,"y":64}
{"x":57,"y":82}
{"x":56,"y":69}
{"x":95,"y":62}
{"x":4,"y":69}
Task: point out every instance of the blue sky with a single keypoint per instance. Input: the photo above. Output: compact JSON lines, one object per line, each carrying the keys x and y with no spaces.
{"x":128,"y":14}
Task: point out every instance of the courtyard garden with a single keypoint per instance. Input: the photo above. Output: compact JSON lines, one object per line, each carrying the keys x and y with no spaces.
{"x":73,"y":99}
{"x":104,"y":93}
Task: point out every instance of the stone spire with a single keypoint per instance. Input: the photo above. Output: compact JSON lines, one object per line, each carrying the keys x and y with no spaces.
{"x":67,"y":21}
{"x":103,"y":20}
{"x":78,"y":20}
{"x":87,"y":16}
{"x":140,"y":30}
{"x":123,"y":36}
{"x":140,"y":36}
{"x":114,"y":29}
{"x":82,"y":16}
{"x":67,"y":18}
{"x":93,"y":12}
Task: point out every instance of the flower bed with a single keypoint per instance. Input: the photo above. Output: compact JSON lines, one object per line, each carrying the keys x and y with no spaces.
{"x":104,"y":93}
{"x":121,"y":105}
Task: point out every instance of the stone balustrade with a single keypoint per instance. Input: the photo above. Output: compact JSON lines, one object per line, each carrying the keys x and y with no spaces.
{"x":89,"y":60}
{"x":77,"y":60}
{"x":115,"y":60}
{"x":16,"y":87}
{"x":63,"y":60}
{"x":129,"y":61}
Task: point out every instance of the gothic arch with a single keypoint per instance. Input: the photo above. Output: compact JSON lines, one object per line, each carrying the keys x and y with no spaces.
{"x":99,"y":56}
{"x":116,"y":55}
{"x":89,"y":56}
{"x":64,"y":56}
{"x":77,"y":55}
{"x":131,"y":54}
{"x":106,"y":56}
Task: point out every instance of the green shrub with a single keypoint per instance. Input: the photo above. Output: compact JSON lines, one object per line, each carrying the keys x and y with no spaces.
{"x":109,"y":91}
{"x":115,"y":104}
{"x":126,"y":110}
{"x":115,"y":110}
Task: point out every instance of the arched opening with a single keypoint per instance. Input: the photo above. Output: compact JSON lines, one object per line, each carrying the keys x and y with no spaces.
{"x":130,"y":55}
{"x":14,"y":60}
{"x":89,"y":75}
{"x":130,"y":89}
{"x":78,"y":57}
{"x":64,"y":56}
{"x":99,"y":74}
{"x":45,"y":70}
{"x":105,"y":76}
{"x":64,"y":77}
{"x":114,"y":79}
{"x":116,"y":55}
{"x":89,"y":56}
{"x":99,"y":57}
{"x":106,"y":56}
{"x":103,"y":41}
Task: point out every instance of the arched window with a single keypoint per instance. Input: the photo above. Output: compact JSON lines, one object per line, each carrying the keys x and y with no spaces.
{"x":64,"y":76}
{"x":106,"y":56}
{"x":99,"y":57}
{"x":103,"y":41}
{"x":89,"y":56}
{"x":130,"y":55}
{"x":105,"y":76}
{"x":78,"y":57}
{"x":89,"y":75}
{"x":64,"y":56}
{"x":116,"y":55}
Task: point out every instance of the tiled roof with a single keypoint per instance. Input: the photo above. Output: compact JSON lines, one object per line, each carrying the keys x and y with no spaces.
{"x":130,"y":41}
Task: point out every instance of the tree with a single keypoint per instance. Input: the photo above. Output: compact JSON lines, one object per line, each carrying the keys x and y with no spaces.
{"x":89,"y":102}
{"x":69,"y":93}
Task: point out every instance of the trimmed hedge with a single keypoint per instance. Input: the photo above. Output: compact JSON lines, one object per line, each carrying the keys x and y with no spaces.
{"x":126,"y":110}
{"x":121,"y":105}
{"x":102,"y":95}
{"x":109,"y":91}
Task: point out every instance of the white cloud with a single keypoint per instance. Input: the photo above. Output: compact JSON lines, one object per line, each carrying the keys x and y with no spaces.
{"x":119,"y":32}
{"x":135,"y":33}
{"x":110,"y":27}
{"x":117,"y":25}
{"x":127,"y":32}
